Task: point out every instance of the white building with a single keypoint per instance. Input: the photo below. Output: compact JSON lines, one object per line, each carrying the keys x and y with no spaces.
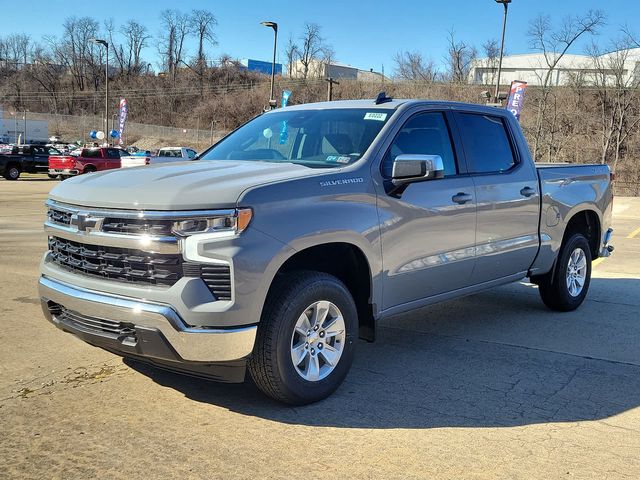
{"x":533,"y":68}
{"x":12,"y":128}
{"x":319,"y":69}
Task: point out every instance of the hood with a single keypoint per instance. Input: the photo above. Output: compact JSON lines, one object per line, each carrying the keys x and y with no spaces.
{"x":204,"y":184}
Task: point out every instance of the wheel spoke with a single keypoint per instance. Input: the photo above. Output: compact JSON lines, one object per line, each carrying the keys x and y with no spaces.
{"x":303,"y":325}
{"x":330,"y":355}
{"x":320,"y":312}
{"x":298,"y":354}
{"x":313,"y":369}
{"x":579,"y":281}
{"x":336,"y":327}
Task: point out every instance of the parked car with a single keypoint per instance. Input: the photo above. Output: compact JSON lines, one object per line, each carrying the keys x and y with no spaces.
{"x":184,"y":153}
{"x":26,"y":159}
{"x":90,"y":160}
{"x":290,"y":237}
{"x":168,"y":154}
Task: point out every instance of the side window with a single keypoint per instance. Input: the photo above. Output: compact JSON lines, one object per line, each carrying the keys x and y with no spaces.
{"x":113,"y":153}
{"x":486,"y":143}
{"x":423,"y":134}
{"x":91,"y":153}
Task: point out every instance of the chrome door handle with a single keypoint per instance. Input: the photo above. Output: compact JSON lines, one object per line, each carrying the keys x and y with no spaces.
{"x":527,"y":192}
{"x":462,"y":198}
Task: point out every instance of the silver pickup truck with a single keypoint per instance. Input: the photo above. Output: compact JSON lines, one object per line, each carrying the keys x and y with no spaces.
{"x":286,"y":240}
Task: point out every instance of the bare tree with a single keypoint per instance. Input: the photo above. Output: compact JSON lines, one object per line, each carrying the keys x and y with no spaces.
{"x":460,"y":55}
{"x":491,"y":53}
{"x":617,"y":93}
{"x":554,"y":44}
{"x":175,"y":29}
{"x":413,"y":67}
{"x":311,"y":48}
{"x":203,"y":23}
{"x":292,"y":52}
{"x":136,"y":37}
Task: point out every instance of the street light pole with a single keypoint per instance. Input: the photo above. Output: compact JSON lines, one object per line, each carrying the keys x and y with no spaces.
{"x":505,"y":3}
{"x":274,"y":25}
{"x":105,"y":44}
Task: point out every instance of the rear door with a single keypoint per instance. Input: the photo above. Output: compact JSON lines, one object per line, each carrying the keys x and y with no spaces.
{"x":41,"y":158}
{"x":428,"y":233}
{"x":112,"y":159}
{"x":507,"y":194}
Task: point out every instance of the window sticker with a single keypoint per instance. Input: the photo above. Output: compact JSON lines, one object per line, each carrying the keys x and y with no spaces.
{"x":267,"y":133}
{"x":338,"y":158}
{"x":381,"y":117}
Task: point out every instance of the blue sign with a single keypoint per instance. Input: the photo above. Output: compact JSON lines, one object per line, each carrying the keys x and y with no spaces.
{"x":516,"y":97}
{"x":285,"y":97}
{"x":262,"y":67}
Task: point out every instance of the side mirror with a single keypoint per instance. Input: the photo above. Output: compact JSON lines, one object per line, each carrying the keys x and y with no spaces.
{"x":412,"y":168}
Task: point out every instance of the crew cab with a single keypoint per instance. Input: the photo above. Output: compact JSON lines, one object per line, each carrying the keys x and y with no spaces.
{"x":291,"y":236}
{"x":26,"y":159}
{"x":89,"y":160}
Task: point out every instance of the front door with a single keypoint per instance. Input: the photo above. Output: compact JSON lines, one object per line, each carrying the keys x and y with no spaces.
{"x":428,"y":233}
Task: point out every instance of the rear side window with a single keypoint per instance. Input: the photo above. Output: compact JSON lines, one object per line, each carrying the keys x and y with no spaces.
{"x":113,"y":153}
{"x":423,"y":134}
{"x":91,"y":153}
{"x":486,"y":143}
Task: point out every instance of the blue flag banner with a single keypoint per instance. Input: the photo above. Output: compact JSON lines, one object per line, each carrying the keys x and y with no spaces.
{"x":285,"y":97}
{"x":124,"y":109}
{"x":516,"y":98}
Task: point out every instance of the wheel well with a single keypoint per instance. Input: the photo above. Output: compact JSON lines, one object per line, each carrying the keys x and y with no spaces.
{"x":12,"y":164}
{"x":587,"y":223}
{"x":346,"y":262}
{"x":89,"y":168}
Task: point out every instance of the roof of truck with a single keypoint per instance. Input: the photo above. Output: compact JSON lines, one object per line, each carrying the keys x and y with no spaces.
{"x":389,"y":104}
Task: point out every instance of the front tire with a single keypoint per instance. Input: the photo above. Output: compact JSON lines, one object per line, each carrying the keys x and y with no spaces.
{"x":571,"y":278}
{"x":12,"y":173}
{"x":306,"y":338}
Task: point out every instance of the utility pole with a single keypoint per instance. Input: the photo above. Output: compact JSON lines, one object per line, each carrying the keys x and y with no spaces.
{"x":330,"y":88}
{"x":505,"y":3}
{"x":272,"y":101}
{"x":105,"y":44}
{"x":24,"y":140}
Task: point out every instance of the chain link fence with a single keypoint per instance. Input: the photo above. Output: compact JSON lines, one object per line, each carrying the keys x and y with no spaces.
{"x":73,"y":128}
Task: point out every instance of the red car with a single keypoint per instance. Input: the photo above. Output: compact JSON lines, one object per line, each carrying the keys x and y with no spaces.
{"x":89,"y":160}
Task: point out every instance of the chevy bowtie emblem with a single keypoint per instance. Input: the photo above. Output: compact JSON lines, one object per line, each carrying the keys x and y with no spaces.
{"x":84,"y":222}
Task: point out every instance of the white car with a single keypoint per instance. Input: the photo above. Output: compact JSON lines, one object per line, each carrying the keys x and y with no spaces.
{"x":167,"y":154}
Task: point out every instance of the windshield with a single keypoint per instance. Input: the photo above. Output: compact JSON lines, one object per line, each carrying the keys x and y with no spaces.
{"x":315,"y":138}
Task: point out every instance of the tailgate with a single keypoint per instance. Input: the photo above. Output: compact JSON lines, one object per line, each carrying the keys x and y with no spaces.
{"x":61,"y":162}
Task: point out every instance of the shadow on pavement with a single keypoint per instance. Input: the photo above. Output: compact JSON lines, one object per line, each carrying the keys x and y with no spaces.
{"x":424,"y":372}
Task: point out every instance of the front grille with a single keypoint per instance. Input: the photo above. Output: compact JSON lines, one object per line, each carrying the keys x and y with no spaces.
{"x":137,"y":226}
{"x":117,"y":263}
{"x":59,"y":216}
{"x":93,"y":324}
{"x":136,"y":266}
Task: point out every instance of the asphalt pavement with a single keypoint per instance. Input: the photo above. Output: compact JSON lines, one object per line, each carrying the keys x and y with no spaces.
{"x":490,"y":386}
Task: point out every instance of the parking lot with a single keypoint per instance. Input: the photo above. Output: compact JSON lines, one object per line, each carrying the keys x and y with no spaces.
{"x":489,"y":386}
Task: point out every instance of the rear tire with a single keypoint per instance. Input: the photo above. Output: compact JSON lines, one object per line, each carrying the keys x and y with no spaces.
{"x":12,"y":172}
{"x":571,"y":276}
{"x":295,"y":367}
{"x":89,"y":169}
{"x":53,"y":177}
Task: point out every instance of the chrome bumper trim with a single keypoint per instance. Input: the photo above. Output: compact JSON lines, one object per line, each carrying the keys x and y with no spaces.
{"x":139,"y":214}
{"x":192,"y":344}
{"x":107,"y":239}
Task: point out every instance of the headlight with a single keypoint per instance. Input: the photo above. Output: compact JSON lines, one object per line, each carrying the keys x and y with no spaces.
{"x":234,"y":222}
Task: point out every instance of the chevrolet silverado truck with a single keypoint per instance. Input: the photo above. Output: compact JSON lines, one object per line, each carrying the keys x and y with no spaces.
{"x":26,"y":159}
{"x":286,"y":240}
{"x":90,"y":160}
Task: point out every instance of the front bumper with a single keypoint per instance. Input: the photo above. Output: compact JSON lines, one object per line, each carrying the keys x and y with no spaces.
{"x":146,"y":330}
{"x":63,"y":171}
